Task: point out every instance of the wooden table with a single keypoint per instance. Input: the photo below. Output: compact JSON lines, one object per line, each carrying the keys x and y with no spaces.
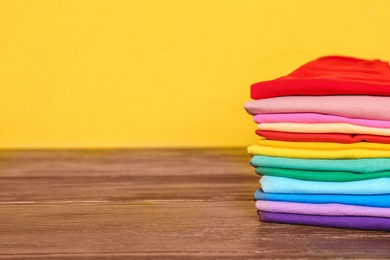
{"x":147,"y":204}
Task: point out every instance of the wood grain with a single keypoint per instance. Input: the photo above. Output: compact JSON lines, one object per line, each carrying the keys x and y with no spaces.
{"x":152,"y":204}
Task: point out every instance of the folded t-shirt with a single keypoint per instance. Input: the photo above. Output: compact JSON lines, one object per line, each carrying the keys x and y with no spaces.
{"x":312,"y":118}
{"x":322,"y":137}
{"x":324,"y":128}
{"x":351,"y":106}
{"x":273,"y":184}
{"x":330,"y":209}
{"x":382,"y":201}
{"x":323,"y":145}
{"x":353,"y":153}
{"x":320,"y":176}
{"x":352,"y":222}
{"x":370,"y":165}
{"x":329,"y":75}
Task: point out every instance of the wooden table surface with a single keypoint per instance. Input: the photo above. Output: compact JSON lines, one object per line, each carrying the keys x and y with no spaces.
{"x":148,"y":204}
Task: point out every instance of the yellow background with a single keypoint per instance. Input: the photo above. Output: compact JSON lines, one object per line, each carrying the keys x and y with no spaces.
{"x":161,"y":73}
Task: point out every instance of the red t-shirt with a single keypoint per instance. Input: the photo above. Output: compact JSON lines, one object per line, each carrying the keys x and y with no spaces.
{"x":323,"y":137}
{"x":329,"y":75}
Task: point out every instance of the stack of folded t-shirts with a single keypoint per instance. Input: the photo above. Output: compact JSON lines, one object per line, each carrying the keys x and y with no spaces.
{"x":324,"y":149}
